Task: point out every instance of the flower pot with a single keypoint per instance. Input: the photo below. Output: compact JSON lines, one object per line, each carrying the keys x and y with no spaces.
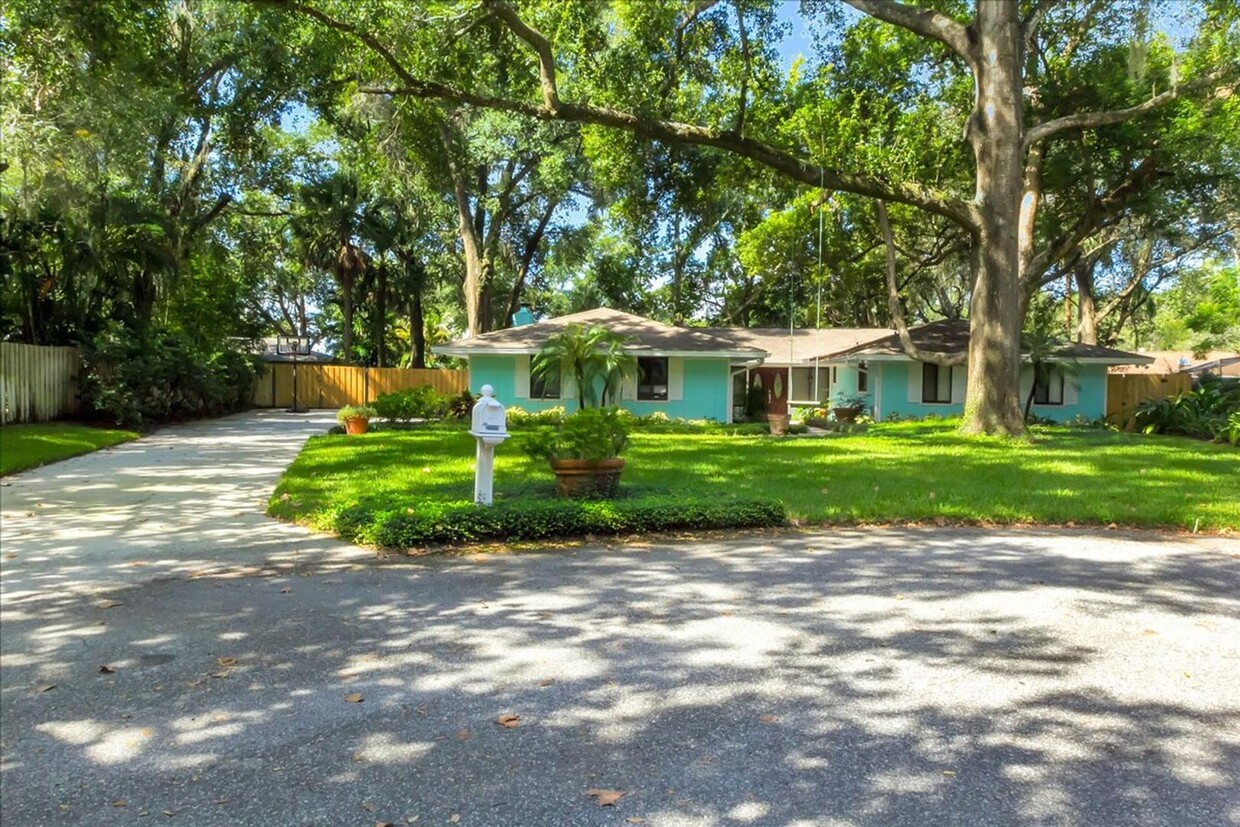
{"x":778,"y":423}
{"x":846,"y":414}
{"x":587,"y":477}
{"x":356,"y":425}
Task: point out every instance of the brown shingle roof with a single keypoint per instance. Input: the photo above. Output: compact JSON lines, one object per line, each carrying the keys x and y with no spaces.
{"x":648,"y":335}
{"x":806,"y":342}
{"x":952,"y":336}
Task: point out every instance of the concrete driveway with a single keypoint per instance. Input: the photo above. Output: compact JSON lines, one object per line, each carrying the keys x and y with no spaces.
{"x":259,"y":675}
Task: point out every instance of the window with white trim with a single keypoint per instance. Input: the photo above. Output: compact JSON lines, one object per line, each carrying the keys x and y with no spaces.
{"x":652,"y":378}
{"x":863,"y":378}
{"x":936,"y":383}
{"x":545,"y":384}
{"x":1048,"y":388}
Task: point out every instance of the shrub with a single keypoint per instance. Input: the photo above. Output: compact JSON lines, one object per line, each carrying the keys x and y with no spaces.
{"x":141,"y":379}
{"x":423,"y":402}
{"x":590,"y":434}
{"x":520,"y":418}
{"x":463,"y":521}
{"x":354,"y":412}
{"x":1206,"y":412}
{"x":461,"y":406}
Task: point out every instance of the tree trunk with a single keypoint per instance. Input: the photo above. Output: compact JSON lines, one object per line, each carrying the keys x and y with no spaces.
{"x":381,"y":315}
{"x":1087,"y":307}
{"x":346,"y":309}
{"x":992,"y":403}
{"x":417,"y":330}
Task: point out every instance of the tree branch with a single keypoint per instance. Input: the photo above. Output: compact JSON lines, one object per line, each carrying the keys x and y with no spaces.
{"x":957,"y":210}
{"x":925,"y":22}
{"x":540,"y":45}
{"x":1093,"y":120}
{"x":893,"y":301}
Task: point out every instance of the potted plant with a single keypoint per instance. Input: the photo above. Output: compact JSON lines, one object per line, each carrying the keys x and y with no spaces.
{"x":846,"y":406}
{"x":355,"y":418}
{"x":583,"y":451}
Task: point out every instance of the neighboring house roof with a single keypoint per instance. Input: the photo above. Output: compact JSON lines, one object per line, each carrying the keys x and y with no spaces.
{"x":952,"y":336}
{"x":805,"y":344}
{"x":649,"y":337}
{"x":1175,"y":361}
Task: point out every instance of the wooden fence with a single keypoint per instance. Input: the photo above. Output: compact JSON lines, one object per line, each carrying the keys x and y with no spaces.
{"x":334,"y":386}
{"x":37,"y":383}
{"x":1126,"y":391}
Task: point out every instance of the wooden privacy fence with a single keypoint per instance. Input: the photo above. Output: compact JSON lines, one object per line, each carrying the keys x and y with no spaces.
{"x":37,"y":383}
{"x":1126,"y":391}
{"x":334,"y":386}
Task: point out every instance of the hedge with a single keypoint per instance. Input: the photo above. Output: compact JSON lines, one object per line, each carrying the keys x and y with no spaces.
{"x":462,"y":521}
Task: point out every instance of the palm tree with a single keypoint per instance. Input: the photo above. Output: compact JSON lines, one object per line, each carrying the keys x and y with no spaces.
{"x":591,"y":353}
{"x":1040,"y":344}
{"x":328,"y":227}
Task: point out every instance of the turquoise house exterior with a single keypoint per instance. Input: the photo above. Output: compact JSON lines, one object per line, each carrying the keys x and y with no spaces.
{"x":683,"y":372}
{"x":898,"y":387}
{"x":706,"y":373}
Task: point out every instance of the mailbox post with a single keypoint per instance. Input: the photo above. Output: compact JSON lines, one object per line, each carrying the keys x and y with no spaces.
{"x":489,"y":426}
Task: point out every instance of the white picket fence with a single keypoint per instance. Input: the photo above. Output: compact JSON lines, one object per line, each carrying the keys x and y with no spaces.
{"x":37,"y":383}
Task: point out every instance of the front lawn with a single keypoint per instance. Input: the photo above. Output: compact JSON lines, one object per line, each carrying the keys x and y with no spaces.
{"x":906,"y":471}
{"x":29,"y":446}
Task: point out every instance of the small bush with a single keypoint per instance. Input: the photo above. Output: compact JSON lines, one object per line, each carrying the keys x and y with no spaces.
{"x":403,"y":407}
{"x":354,"y":412}
{"x":590,"y":434}
{"x":462,"y":406}
{"x":520,"y":418}
{"x":462,"y":521}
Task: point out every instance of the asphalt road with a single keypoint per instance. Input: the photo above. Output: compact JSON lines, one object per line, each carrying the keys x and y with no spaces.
{"x":259,"y":675}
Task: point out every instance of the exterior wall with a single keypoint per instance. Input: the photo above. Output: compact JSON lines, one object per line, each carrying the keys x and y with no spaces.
{"x":703,"y":388}
{"x":1089,"y":401}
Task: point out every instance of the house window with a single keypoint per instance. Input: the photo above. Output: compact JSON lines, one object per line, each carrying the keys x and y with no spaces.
{"x":652,"y":378}
{"x":936,"y":383}
{"x":545,"y":384}
{"x":863,"y":379}
{"x":1048,"y":389}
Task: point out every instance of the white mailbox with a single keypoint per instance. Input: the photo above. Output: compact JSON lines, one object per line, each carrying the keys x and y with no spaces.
{"x":489,"y":426}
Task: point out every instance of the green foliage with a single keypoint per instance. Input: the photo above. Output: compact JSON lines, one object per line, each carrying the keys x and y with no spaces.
{"x":403,"y":407}
{"x":594,"y":355}
{"x":355,"y":412}
{"x":590,"y":434}
{"x":142,"y":379}
{"x":461,"y":406}
{"x":1209,"y":411}
{"x":424,"y":523}
{"x":29,"y":446}
{"x":520,"y":418}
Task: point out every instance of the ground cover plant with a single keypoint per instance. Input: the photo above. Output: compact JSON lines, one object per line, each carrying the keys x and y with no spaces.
{"x":922,"y":471}
{"x":29,"y":446}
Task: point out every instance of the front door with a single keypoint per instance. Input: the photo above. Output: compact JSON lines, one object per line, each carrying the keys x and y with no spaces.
{"x":774,"y":385}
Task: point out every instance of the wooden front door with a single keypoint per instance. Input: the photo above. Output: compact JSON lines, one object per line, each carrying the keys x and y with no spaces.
{"x":774,"y":385}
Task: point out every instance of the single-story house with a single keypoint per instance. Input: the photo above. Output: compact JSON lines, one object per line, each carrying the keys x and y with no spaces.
{"x":706,"y":373}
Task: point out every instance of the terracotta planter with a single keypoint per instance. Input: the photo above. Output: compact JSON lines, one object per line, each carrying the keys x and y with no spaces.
{"x":356,"y":425}
{"x":778,"y":423}
{"x":586,"y":477}
{"x":846,"y":414}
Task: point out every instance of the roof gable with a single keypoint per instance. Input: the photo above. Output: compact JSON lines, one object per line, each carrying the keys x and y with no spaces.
{"x":646,"y":334}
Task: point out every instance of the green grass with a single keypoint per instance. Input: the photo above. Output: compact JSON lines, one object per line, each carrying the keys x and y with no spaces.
{"x":29,"y":446}
{"x":904,"y":471}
